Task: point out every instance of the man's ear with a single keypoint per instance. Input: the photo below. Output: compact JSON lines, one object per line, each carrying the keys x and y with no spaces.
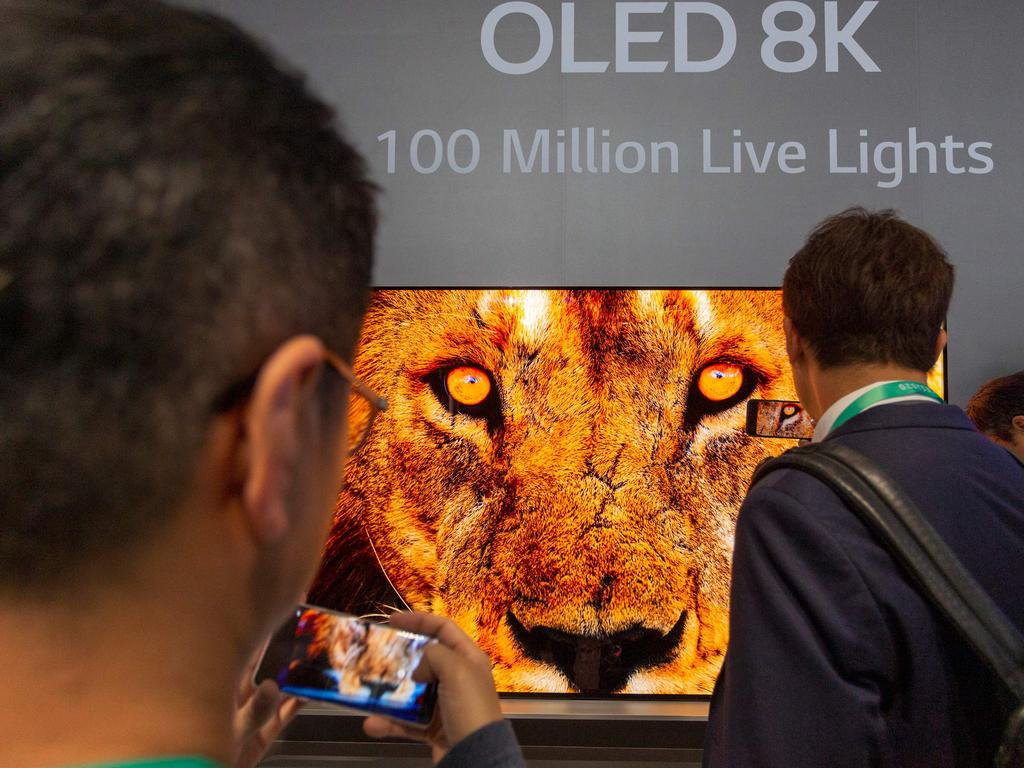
{"x":283,"y":388}
{"x":794,"y":344}
{"x":1018,"y":422}
{"x":940,"y":344}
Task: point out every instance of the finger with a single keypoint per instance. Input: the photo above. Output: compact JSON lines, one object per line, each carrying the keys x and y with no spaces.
{"x":246,"y":686}
{"x":289,"y":709}
{"x":443,"y":663}
{"x":261,"y":706}
{"x":257,"y":741}
{"x":424,"y":673}
{"x":284,"y":714}
{"x":445,"y":630}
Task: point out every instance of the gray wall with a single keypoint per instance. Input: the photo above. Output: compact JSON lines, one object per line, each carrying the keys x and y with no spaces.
{"x":947,"y":68}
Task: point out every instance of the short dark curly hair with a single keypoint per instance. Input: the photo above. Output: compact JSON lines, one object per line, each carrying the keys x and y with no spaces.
{"x":993,"y":407}
{"x":868,"y":287}
{"x":173,"y":206}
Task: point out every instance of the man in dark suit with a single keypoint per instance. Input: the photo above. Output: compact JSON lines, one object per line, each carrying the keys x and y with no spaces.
{"x":835,"y":659}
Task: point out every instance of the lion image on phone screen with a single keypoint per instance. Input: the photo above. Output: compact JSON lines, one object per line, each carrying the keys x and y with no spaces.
{"x":366,"y":657}
{"x":783,"y":420}
{"x":559,"y":471}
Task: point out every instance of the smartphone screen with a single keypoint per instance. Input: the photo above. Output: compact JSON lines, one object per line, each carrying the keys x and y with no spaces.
{"x":319,"y":654}
{"x":778,"y":418}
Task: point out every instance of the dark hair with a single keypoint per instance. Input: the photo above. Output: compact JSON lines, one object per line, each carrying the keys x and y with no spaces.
{"x":868,"y":287}
{"x":173,"y":206}
{"x":994,"y":405}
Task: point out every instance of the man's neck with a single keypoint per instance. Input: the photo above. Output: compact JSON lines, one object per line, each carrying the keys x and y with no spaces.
{"x":112,"y":680}
{"x":831,"y":384}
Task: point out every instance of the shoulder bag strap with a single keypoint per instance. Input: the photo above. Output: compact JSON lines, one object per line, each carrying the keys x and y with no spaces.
{"x":905,"y":533}
{"x":895,"y":519}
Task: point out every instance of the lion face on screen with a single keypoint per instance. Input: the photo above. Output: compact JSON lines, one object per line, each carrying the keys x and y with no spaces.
{"x":559,"y":472}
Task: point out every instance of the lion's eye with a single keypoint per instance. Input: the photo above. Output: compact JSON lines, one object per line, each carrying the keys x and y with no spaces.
{"x":468,"y":385}
{"x":720,"y":381}
{"x":717,"y":387}
{"x":467,"y":389}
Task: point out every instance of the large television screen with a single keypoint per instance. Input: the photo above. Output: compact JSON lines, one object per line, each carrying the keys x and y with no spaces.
{"x":559,"y":471}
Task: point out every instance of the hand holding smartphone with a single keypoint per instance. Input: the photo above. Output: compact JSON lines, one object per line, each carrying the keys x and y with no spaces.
{"x":432,"y":646}
{"x":327,"y":656}
{"x":467,"y":699}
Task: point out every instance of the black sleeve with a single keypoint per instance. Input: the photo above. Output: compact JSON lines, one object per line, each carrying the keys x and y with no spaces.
{"x":493,"y":746}
{"x":805,"y":674}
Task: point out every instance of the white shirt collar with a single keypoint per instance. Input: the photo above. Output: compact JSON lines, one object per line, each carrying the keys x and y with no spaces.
{"x":824,"y":425}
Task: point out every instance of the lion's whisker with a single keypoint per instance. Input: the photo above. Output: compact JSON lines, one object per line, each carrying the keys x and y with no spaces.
{"x":383,"y":570}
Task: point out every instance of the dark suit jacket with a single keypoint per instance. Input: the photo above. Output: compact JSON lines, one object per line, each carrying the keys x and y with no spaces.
{"x":834,"y":659}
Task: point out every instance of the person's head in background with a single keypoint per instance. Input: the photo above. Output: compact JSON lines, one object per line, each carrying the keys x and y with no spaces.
{"x":997,"y":410}
{"x":864,"y":301}
{"x":183,"y":235}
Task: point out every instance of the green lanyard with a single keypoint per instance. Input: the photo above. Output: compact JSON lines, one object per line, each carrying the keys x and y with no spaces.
{"x":882,"y":392}
{"x":164,"y":762}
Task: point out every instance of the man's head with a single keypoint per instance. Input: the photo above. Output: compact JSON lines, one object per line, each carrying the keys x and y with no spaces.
{"x":997,"y":410}
{"x":177,"y":215}
{"x":866,"y":289}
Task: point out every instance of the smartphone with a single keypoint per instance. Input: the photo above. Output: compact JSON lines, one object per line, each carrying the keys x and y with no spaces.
{"x":356,"y":663}
{"x":778,"y":418}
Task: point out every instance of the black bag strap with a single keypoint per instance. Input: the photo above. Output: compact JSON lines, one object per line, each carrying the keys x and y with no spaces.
{"x":895,"y":519}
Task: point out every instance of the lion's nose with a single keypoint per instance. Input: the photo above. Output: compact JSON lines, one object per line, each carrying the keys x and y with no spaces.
{"x":598,"y":663}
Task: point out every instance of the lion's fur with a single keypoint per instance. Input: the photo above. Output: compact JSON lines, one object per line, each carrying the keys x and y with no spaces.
{"x":597,"y":505}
